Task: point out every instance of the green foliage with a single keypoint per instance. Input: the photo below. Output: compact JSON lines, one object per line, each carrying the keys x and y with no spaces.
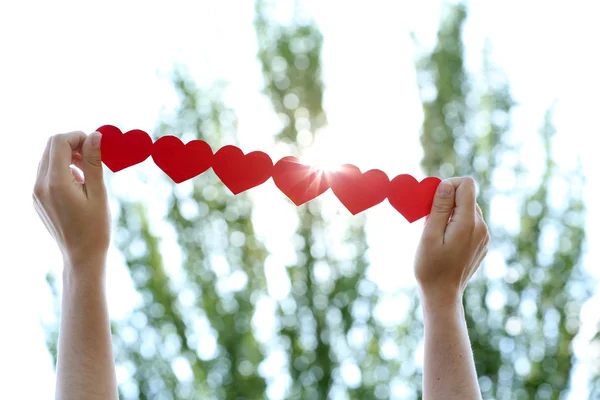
{"x":199,"y":315}
{"x":50,"y":329}
{"x":179,"y":321}
{"x":523,"y":349}
{"x":321,"y":317}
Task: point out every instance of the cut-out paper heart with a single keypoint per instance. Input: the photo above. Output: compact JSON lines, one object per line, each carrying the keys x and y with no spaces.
{"x":239,"y":171}
{"x":299,"y":182}
{"x":122,"y":150}
{"x":181,"y":161}
{"x":359,"y":191}
{"x":412,"y":199}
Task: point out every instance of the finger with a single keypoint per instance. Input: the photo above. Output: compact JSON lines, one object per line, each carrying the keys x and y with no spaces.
{"x":43,"y":165}
{"x":443,"y":203}
{"x":77,"y":175}
{"x":464,"y":198}
{"x":61,"y":153}
{"x":77,"y":160}
{"x":92,"y":165}
{"x":479,"y":213}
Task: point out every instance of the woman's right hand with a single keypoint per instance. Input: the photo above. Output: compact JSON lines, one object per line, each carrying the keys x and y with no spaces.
{"x":453,"y":243}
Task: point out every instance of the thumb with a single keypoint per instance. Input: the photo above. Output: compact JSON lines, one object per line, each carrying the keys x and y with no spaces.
{"x":443,"y":204}
{"x":92,"y":165}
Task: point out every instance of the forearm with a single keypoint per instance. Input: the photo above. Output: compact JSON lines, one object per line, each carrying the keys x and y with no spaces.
{"x":449,"y":371}
{"x":85,"y":366}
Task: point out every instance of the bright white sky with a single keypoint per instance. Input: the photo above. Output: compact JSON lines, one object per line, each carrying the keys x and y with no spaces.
{"x":68,"y":65}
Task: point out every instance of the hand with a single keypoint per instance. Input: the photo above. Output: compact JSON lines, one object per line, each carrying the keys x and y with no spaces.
{"x":453,"y":243}
{"x":74,"y":208}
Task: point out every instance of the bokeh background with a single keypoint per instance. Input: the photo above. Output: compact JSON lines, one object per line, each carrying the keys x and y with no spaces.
{"x":248,"y":297}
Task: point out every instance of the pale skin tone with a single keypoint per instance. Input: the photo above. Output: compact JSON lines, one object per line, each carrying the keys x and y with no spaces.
{"x":75,"y":210}
{"x":76,"y":214}
{"x":452,"y":246}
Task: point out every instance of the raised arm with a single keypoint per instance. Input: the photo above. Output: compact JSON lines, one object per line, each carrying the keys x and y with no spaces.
{"x":453,"y":244}
{"x":75,"y":211}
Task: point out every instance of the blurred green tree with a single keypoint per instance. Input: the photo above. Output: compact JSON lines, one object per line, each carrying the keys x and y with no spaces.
{"x":327,"y":323}
{"x":522,"y":320}
{"x":222,"y":269}
{"x":193,"y":334}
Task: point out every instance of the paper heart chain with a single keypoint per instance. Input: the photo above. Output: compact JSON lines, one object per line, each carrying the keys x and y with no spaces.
{"x":356,"y":190}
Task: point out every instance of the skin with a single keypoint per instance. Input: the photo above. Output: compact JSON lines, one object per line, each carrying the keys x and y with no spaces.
{"x":452,"y":246}
{"x":75,"y":211}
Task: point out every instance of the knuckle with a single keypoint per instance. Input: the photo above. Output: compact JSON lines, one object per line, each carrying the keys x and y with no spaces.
{"x":54,"y":140}
{"x":483,"y":227}
{"x":38,"y":186}
{"x":442,"y":208}
{"x":484,"y":234}
{"x":469,"y":181}
{"x":38,"y":190}
{"x":481,"y":224}
{"x":479,"y":211}
{"x":94,"y":161}
{"x":69,"y":135}
{"x":49,"y":143}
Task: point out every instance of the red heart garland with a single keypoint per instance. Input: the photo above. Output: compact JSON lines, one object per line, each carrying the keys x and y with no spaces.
{"x":412,"y":199}
{"x":181,"y":161}
{"x":359,"y":191}
{"x":241,"y":172}
{"x":299,"y":182}
{"x":122,"y":150}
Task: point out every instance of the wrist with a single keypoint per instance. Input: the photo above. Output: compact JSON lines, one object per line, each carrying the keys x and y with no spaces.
{"x":90,"y":269}
{"x":441,"y":302}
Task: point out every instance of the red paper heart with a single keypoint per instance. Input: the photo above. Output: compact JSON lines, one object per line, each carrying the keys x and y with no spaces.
{"x":359,"y":191}
{"x":413,"y":199}
{"x":299,"y":182}
{"x":121,"y":150}
{"x":241,"y":172}
{"x":181,"y":161}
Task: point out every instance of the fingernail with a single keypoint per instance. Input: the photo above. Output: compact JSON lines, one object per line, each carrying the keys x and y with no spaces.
{"x":96,"y":137}
{"x":444,"y":189}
